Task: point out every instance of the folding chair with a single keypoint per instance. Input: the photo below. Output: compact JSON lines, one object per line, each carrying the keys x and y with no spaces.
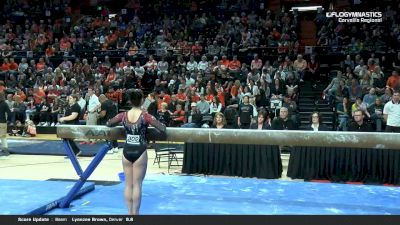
{"x":162,"y":154}
{"x":175,"y":157}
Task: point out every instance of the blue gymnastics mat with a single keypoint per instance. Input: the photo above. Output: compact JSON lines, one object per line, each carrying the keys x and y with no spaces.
{"x":20,"y":197}
{"x":191,"y":195}
{"x":39,"y":147}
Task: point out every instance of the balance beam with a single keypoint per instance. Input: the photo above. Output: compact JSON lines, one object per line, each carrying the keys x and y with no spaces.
{"x":240,"y":136}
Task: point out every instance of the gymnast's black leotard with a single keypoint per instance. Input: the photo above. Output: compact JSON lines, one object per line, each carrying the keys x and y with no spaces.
{"x":136,"y":142}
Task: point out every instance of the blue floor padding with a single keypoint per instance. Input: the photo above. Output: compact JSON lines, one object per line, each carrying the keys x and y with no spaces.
{"x":24,"y":196}
{"x":38,"y":147}
{"x":174,"y":195}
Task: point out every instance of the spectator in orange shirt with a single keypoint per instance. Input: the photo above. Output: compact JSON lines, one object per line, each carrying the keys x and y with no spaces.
{"x":178,"y":116}
{"x":181,"y":96}
{"x":224,"y":62}
{"x":165,"y":97}
{"x":210,"y":95}
{"x":193,"y":95}
{"x":393,"y":81}
{"x":197,"y":49}
{"x":13,"y":66}
{"x":235,"y":89}
{"x":4,"y":69}
{"x":65,"y":45}
{"x":234,"y":66}
{"x":221,"y":96}
{"x":114,"y":95}
{"x":50,"y":51}
{"x":40,"y":66}
{"x":38,"y":94}
{"x":110,"y":77}
{"x":2,"y":86}
{"x":21,"y":94}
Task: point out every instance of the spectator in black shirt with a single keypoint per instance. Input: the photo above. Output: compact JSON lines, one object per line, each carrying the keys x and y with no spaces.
{"x":262,"y":121}
{"x":283,"y":122}
{"x":108,"y":110}
{"x":245,"y":113}
{"x":316,"y":123}
{"x":376,"y":112}
{"x":379,"y":84}
{"x":44,"y":112}
{"x":4,"y":109}
{"x":219,"y":121}
{"x":164,"y":115}
{"x":359,"y":124}
{"x":72,"y":117}
{"x":194,"y":118}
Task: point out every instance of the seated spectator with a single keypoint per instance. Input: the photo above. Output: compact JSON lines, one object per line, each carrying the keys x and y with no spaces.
{"x":219,"y":121}
{"x":215,"y":106}
{"x":366,"y":82}
{"x":283,"y":122}
{"x":348,"y":62}
{"x":387,"y":96}
{"x":358,"y":124}
{"x":30,"y":109}
{"x":203,"y":64}
{"x":194,"y":117}
{"x":192,"y":65}
{"x":172,"y":105}
{"x":164,"y":115}
{"x":197,"y":49}
{"x":277,"y":90}
{"x":203,"y":106}
{"x":30,"y":129}
{"x":43,"y":109}
{"x":359,"y":105}
{"x":162,"y":67}
{"x":55,"y":111}
{"x":256,"y":63}
{"x":4,"y":69}
{"x":393,"y":81}
{"x":292,"y":108}
{"x":313,"y":70}
{"x":263,"y":121}
{"x":13,"y":67}
{"x":370,"y":98}
{"x":376,"y":112}
{"x":355,"y":90}
{"x":17,"y":110}
{"x":178,"y":117}
{"x":379,"y":84}
{"x":17,"y":129}
{"x":300,"y":66}
{"x":316,"y":123}
{"x":234,"y":66}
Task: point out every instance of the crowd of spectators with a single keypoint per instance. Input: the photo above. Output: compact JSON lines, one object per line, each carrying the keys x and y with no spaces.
{"x":204,"y":63}
{"x":369,"y":71}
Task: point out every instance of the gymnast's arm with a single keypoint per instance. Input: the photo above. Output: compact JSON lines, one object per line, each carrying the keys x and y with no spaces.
{"x":155,"y":123}
{"x":116,"y":120}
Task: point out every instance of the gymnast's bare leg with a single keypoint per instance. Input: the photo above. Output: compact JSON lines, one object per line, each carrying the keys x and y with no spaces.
{"x":134,"y":176}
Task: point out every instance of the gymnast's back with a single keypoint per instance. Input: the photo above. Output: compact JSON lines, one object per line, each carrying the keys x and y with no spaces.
{"x":136,"y":130}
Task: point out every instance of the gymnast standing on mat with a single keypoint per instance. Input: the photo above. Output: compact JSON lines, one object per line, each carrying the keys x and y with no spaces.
{"x":134,"y":160}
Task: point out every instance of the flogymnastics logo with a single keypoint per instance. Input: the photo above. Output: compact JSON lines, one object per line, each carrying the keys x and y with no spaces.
{"x":356,"y":17}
